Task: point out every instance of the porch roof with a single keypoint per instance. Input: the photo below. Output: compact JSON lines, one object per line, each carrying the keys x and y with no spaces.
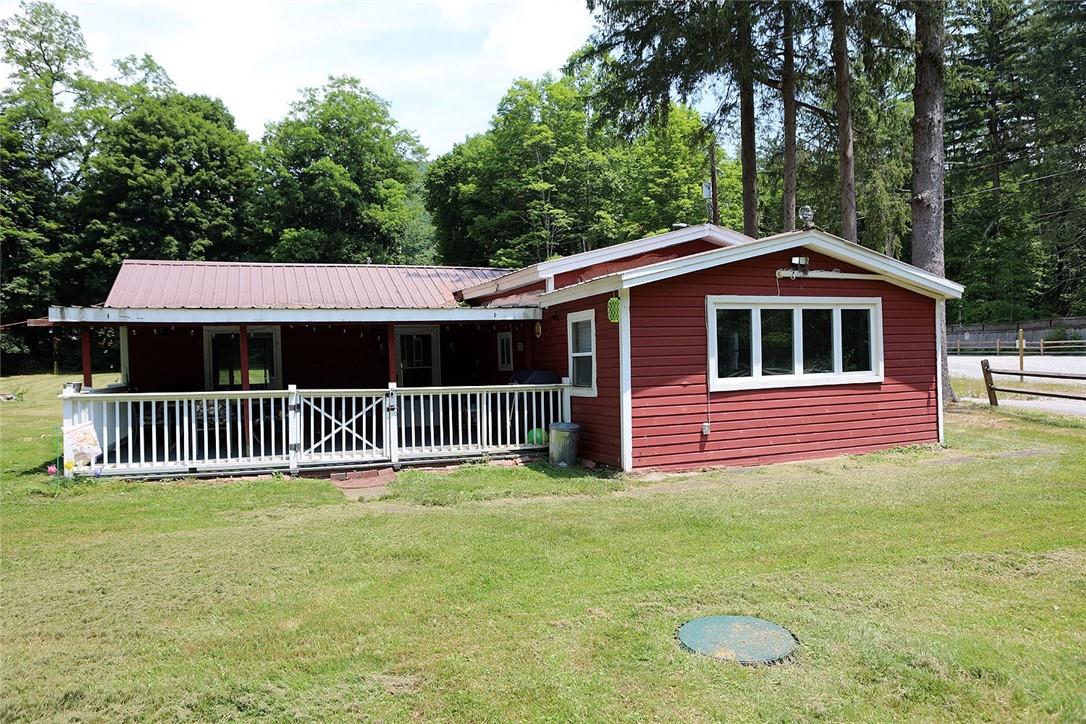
{"x":142,"y":284}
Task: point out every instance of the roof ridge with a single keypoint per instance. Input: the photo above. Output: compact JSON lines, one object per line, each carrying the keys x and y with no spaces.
{"x":198,"y":262}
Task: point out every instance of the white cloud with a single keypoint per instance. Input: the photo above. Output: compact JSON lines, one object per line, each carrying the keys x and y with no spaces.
{"x":442,"y":64}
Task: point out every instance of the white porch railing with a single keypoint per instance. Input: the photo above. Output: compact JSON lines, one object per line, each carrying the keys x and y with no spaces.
{"x":180,"y":433}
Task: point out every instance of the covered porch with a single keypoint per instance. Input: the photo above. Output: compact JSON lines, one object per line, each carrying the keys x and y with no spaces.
{"x":259,"y":395}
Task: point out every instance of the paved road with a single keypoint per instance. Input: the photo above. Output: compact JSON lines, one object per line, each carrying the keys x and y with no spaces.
{"x":1041,"y":404}
{"x":969,"y":365}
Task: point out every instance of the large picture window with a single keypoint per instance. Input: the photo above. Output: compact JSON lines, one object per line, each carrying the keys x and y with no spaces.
{"x":582,"y":352}
{"x":760,"y":342}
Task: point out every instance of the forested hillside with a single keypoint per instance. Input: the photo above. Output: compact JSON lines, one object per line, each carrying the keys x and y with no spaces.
{"x":811,"y":103}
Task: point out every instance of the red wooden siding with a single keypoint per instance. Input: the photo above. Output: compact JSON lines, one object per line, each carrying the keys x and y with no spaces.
{"x":171,"y":359}
{"x":598,"y":416}
{"x":632,"y":262}
{"x":669,"y":368}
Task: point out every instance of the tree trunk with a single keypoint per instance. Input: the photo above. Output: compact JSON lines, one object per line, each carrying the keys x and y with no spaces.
{"x":788,"y":96}
{"x":748,"y":152}
{"x":928,"y":161}
{"x":847,"y":160}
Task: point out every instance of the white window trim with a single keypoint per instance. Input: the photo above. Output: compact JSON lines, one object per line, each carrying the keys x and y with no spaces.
{"x":588,"y":315}
{"x":506,"y":338}
{"x":277,"y":347}
{"x":799,"y":379}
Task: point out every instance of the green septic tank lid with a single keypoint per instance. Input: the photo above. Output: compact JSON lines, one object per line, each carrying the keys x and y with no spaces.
{"x":744,"y":639}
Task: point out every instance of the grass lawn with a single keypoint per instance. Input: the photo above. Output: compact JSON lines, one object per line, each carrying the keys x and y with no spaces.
{"x":924,"y":584}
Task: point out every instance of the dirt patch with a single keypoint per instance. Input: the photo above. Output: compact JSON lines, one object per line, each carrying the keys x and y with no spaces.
{"x":978,"y":416}
{"x":372,"y":492}
{"x":398,"y":684}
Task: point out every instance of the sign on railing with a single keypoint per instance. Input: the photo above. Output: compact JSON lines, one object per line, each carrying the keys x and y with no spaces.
{"x":162,"y":433}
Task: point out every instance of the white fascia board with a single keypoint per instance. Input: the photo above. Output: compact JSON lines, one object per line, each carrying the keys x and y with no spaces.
{"x":548,"y":269}
{"x":714,"y":234}
{"x":512,"y":280}
{"x":603,"y":285}
{"x":863,"y":257}
{"x":894,"y":271}
{"x":108,"y":315}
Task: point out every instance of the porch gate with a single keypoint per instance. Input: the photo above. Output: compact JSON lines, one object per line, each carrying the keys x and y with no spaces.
{"x":261,"y":431}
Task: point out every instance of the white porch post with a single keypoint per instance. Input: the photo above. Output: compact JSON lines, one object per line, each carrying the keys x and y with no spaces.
{"x":68,"y":405}
{"x":294,"y":424}
{"x":625,"y":385}
{"x":392,"y":424}
{"x":567,"y":400}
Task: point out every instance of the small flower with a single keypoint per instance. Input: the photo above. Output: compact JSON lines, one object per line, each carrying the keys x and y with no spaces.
{"x":52,"y":470}
{"x":98,"y":472}
{"x":69,"y":465}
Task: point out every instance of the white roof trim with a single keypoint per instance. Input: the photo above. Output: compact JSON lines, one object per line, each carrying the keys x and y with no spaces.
{"x":894,"y":271}
{"x":117,"y":315}
{"x":600,"y":285}
{"x":548,"y":269}
{"x":512,"y":280}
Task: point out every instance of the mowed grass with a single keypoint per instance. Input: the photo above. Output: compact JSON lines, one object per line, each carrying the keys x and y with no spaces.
{"x":924,"y":584}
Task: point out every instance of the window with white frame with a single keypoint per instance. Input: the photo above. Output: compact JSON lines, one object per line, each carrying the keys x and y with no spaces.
{"x":505,"y":351}
{"x":759,"y":342}
{"x":582,"y":352}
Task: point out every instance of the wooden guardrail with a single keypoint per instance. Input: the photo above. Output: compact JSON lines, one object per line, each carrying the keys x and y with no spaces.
{"x":987,"y":370}
{"x":1014,"y":347}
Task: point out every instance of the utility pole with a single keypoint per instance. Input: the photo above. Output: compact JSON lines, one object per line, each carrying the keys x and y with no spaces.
{"x":715,"y":216}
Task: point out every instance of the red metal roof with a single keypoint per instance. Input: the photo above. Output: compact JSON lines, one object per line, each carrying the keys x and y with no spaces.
{"x":243,"y":285}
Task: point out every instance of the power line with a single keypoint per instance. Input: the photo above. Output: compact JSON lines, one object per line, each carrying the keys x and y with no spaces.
{"x":1016,"y":183}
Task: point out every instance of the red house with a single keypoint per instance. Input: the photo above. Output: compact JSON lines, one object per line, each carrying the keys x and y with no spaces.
{"x":700,"y":347}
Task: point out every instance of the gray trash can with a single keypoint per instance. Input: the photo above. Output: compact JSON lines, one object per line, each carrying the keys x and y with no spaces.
{"x":563,"y":438}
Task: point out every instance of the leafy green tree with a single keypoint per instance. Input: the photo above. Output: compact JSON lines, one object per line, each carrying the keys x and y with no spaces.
{"x":458,"y":194}
{"x":656,"y":54}
{"x":335,"y":179}
{"x":665,"y":167}
{"x":172,"y":179}
{"x":41,"y":147}
{"x":549,"y":178}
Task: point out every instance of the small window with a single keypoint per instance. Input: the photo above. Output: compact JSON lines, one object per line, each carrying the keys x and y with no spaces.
{"x":764,"y":342}
{"x":505,"y":351}
{"x":582,"y":352}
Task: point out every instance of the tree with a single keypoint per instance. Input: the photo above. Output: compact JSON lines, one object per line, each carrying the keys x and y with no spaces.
{"x":843,"y":105}
{"x":655,"y":54}
{"x":549,"y":178}
{"x":41,"y":144}
{"x":788,"y":100}
{"x":928,"y":157}
{"x":172,"y":179}
{"x":1056,"y":70}
{"x":993,"y":243}
{"x":335,"y":177}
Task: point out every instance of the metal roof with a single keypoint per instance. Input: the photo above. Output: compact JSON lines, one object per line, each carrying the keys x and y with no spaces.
{"x":244,"y":285}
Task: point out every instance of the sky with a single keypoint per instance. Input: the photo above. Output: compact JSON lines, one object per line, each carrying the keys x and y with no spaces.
{"x":442,"y":65}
